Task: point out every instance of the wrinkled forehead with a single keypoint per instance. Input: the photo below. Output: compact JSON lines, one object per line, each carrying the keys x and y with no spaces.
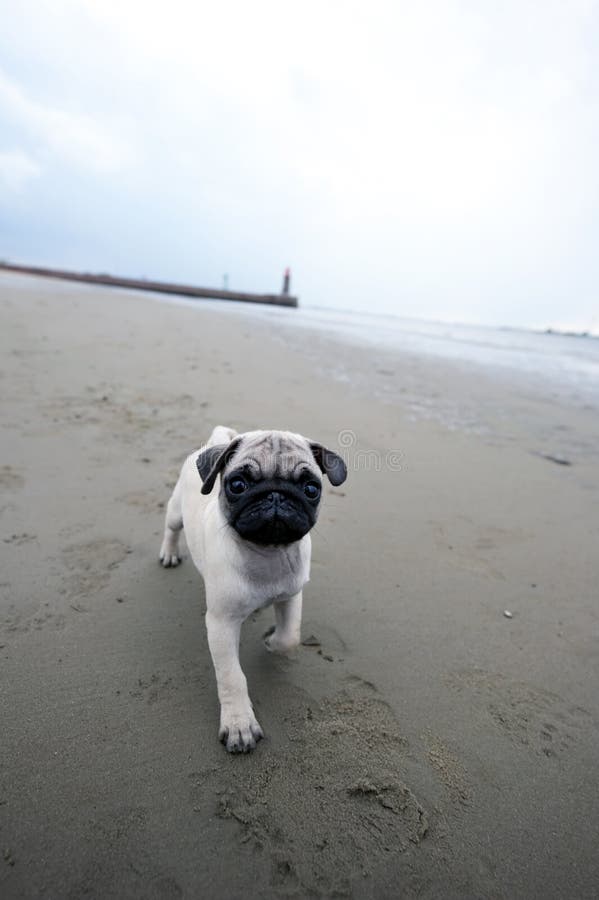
{"x":274,"y":453}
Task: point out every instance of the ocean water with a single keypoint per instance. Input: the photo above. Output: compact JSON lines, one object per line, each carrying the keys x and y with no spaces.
{"x":529,"y":389}
{"x":566,"y":367}
{"x":556,"y":362}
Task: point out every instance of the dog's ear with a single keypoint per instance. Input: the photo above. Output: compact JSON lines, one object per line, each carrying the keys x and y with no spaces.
{"x":330,"y":463}
{"x":212,"y":460}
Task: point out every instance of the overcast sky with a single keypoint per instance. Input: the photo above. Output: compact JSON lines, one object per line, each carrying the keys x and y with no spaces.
{"x":434,"y":159}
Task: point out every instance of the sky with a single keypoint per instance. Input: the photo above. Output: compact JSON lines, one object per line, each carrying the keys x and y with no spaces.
{"x":435,"y":159}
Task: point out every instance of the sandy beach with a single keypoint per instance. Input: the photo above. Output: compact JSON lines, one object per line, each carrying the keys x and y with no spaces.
{"x":420,"y":744}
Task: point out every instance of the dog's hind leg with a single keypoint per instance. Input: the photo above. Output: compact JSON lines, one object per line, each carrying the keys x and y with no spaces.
{"x":285,"y":635}
{"x":169,"y":551}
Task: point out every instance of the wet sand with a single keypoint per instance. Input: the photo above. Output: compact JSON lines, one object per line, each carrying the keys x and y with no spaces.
{"x":420,"y":744}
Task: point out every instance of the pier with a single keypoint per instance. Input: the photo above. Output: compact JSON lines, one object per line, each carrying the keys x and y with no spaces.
{"x":160,"y":287}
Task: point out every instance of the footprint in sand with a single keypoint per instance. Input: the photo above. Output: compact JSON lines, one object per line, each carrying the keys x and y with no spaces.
{"x":118,"y":863}
{"x":530,"y":716}
{"x":10,"y":478}
{"x":89,"y":566}
{"x":17,"y":540}
{"x":347,"y":807}
{"x":27,"y":615}
{"x":162,"y":686}
{"x":85,"y":569}
{"x":148,"y":501}
{"x":448,"y":768}
{"x":471,"y":547}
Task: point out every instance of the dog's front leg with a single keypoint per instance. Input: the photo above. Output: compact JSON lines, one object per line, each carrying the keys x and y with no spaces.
{"x":239,"y":729}
{"x":285,"y":635}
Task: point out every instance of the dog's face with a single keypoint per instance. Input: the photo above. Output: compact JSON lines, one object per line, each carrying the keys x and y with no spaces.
{"x":270,"y":483}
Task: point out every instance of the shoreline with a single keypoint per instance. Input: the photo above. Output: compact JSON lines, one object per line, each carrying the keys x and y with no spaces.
{"x":424,"y":744}
{"x":499,"y":405}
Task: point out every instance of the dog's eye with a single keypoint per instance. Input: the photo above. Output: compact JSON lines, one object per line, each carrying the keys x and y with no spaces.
{"x":312,"y":490}
{"x":237,"y":485}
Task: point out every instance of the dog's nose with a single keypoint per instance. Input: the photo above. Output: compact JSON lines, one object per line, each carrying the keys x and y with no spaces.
{"x":275,"y":497}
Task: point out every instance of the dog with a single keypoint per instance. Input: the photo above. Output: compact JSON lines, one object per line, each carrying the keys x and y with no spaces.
{"x":250,"y":541}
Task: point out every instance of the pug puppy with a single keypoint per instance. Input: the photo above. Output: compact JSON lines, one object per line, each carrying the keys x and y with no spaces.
{"x":247,"y":503}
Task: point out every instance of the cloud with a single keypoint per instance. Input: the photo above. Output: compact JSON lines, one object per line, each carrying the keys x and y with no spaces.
{"x":428,"y":158}
{"x":73,"y":138}
{"x":17,"y":169}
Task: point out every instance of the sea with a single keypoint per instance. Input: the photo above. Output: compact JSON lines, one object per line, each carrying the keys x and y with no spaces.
{"x":501,"y":382}
{"x":561,"y":363}
{"x":555,"y":357}
{"x":532,"y":389}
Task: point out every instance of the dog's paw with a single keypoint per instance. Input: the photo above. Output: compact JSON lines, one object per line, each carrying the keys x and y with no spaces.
{"x":239,"y":732}
{"x":169,"y":560}
{"x":275,"y":643}
{"x":169,"y":554}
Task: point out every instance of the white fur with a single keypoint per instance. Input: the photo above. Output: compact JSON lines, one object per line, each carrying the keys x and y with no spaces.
{"x":240,"y":578}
